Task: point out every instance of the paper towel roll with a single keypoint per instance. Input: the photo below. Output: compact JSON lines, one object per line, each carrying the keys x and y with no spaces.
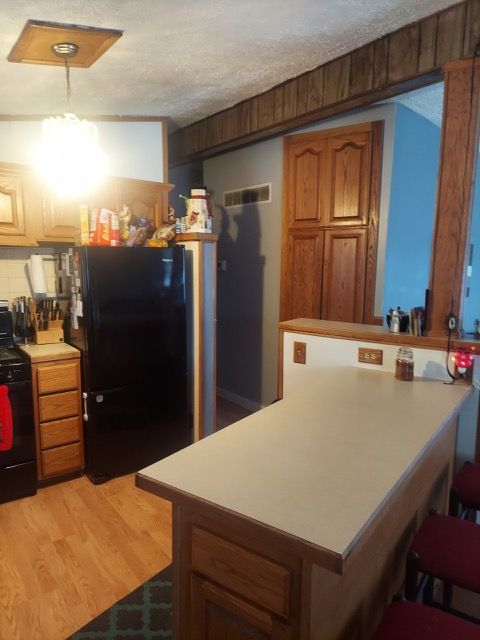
{"x":37,"y":275}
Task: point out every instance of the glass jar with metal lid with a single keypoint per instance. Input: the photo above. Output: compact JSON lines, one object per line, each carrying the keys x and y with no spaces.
{"x":404,"y":364}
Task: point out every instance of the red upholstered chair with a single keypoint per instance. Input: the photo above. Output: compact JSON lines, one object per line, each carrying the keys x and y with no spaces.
{"x":447,"y":548}
{"x":413,"y":621}
{"x":465,"y":491}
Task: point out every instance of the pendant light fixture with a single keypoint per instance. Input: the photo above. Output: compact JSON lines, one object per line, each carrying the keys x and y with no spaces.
{"x":69,"y":157}
{"x":69,"y":160}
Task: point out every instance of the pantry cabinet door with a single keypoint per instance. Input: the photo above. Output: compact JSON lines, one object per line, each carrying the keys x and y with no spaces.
{"x":344,"y":275}
{"x":302,"y":275}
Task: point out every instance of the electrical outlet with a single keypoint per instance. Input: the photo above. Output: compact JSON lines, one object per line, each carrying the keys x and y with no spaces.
{"x":370,"y":356}
{"x":300,"y":352}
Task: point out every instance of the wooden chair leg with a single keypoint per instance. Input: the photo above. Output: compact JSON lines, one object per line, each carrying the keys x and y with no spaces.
{"x":411,"y":576}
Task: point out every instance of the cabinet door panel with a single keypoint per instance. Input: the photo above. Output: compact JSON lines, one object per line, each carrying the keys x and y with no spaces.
{"x":12,"y":219}
{"x":219,"y":615}
{"x":144,"y":199}
{"x":349,"y":159}
{"x":301,"y":296}
{"x":61,"y":217}
{"x":344,"y":275}
{"x":308,"y":197}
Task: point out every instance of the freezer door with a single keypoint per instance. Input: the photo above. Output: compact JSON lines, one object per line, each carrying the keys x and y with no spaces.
{"x":135,"y":315}
{"x":131,"y":427}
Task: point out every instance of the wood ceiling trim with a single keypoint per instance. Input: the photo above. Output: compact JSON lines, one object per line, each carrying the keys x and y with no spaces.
{"x":34,"y":45}
{"x":406,"y":59}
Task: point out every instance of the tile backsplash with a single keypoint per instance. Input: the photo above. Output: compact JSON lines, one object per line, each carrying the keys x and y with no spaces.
{"x":14,"y":280}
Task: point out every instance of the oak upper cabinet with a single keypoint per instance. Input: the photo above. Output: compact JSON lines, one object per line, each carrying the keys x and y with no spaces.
{"x":144,"y":198}
{"x":15,"y":199}
{"x":30,"y":213}
{"x":330,"y":222}
{"x":59,"y":217}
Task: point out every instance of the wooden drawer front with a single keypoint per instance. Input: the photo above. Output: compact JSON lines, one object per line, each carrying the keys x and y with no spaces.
{"x":54,"y":434}
{"x":59,"y":405}
{"x":59,"y":377}
{"x":252,"y":576}
{"x":61,"y":460}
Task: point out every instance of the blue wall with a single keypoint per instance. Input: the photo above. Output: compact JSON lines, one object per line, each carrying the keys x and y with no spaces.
{"x":471,"y":309}
{"x":411,"y":212}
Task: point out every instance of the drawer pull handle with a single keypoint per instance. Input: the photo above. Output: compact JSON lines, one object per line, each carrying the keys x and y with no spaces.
{"x":85,"y":408}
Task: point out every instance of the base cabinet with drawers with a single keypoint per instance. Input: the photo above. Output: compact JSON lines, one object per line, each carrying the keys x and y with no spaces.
{"x":57,"y":410}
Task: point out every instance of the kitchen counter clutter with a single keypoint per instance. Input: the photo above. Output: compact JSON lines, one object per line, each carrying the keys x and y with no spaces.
{"x":57,"y":409}
{"x":324,"y":488}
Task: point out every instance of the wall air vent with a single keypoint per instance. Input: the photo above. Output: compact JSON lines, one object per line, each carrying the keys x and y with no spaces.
{"x":248,"y":195}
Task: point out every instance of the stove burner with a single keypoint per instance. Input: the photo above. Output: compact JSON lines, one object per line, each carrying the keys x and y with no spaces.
{"x":9,"y":355}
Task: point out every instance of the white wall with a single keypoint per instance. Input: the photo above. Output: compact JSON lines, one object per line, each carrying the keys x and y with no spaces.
{"x":132,"y":149}
{"x":249,"y":291}
{"x":14,"y":281}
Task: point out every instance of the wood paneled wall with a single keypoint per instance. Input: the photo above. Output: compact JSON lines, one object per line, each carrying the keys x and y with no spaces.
{"x":454,"y":191}
{"x":410,"y":57}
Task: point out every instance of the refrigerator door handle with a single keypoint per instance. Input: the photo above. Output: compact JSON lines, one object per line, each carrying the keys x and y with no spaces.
{"x":85,"y":407}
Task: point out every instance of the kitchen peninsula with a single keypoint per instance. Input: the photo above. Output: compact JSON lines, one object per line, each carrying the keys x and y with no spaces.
{"x":294,"y":522}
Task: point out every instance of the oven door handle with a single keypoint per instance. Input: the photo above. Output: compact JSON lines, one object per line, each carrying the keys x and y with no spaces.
{"x":85,"y":406}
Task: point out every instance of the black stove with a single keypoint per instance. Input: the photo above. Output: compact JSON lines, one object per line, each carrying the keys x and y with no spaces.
{"x":18,"y":469}
{"x":13,"y":366}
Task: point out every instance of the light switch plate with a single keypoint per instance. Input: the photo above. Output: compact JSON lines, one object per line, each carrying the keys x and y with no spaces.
{"x":300,"y":352}
{"x":370,"y":356}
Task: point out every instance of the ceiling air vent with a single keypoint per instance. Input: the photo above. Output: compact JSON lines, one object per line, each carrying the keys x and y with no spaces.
{"x":248,"y":195}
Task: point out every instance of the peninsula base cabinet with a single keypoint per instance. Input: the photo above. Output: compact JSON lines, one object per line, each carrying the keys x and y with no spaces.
{"x":238,"y":579}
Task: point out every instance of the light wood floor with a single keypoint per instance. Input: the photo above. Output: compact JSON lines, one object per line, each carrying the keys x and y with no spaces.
{"x":228,"y":413}
{"x":74,"y":549}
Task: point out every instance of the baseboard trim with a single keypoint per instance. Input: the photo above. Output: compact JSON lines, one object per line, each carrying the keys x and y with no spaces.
{"x":242,"y":402}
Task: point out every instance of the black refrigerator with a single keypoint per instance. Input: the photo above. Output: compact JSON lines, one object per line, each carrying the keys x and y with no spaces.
{"x":128,"y":318}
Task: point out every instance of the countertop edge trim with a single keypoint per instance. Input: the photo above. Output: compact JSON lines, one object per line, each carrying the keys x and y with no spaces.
{"x":421,"y":342}
{"x":319,"y":555}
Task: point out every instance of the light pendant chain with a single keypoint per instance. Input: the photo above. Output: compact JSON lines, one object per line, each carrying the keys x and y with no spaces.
{"x":69,"y":88}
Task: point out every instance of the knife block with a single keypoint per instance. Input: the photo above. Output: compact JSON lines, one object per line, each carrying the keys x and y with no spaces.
{"x":53,"y":334}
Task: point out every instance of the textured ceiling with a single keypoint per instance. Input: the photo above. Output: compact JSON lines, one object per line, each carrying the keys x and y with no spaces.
{"x":190,"y":58}
{"x":428,"y":102}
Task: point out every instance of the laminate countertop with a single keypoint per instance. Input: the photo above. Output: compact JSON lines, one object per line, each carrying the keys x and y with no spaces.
{"x":319,"y":464}
{"x":49,"y":352}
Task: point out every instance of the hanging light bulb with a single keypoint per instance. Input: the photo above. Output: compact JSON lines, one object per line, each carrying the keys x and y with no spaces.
{"x":69,"y":158}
